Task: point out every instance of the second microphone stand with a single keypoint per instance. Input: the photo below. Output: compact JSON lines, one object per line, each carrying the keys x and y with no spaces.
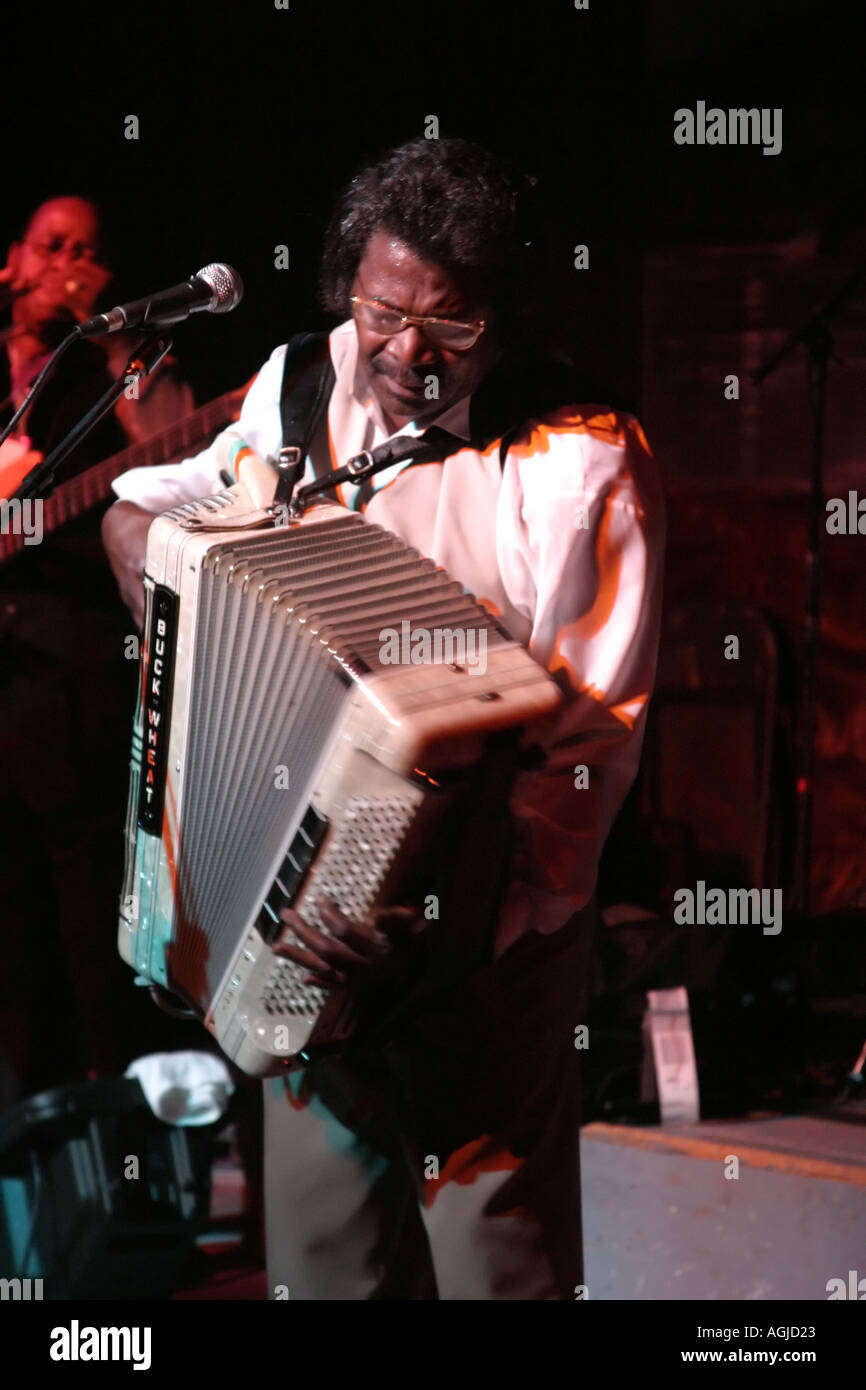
{"x":146,"y":358}
{"x":816,"y":336}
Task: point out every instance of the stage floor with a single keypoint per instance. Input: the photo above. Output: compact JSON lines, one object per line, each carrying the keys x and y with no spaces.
{"x":663,"y":1221}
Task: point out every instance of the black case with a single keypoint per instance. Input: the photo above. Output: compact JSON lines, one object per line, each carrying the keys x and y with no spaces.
{"x":70,"y":1215}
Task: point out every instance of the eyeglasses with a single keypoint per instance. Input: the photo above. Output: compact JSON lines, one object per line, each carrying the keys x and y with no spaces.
{"x":445,"y":333}
{"x":55,"y":246}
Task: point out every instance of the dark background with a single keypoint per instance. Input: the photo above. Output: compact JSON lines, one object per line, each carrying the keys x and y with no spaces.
{"x":251,"y":118}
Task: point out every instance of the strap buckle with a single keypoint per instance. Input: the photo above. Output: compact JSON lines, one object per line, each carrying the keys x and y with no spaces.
{"x":361,"y":464}
{"x":290,"y":468}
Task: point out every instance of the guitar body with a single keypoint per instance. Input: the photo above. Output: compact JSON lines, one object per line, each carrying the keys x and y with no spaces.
{"x":86,"y":490}
{"x":16,"y":461}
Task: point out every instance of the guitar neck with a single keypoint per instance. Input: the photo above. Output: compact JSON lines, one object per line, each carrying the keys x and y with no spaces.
{"x":86,"y":490}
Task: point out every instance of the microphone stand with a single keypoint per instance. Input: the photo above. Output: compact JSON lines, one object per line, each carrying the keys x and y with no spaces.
{"x":35,"y":386}
{"x":147,"y":356}
{"x":817,"y":338}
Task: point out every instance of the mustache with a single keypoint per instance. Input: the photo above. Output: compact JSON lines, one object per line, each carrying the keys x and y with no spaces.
{"x":409,"y":381}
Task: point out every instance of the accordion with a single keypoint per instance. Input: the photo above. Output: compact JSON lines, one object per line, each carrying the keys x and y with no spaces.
{"x":311,"y":695}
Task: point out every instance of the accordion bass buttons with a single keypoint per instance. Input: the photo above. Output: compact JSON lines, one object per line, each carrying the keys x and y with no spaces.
{"x":292,"y":872}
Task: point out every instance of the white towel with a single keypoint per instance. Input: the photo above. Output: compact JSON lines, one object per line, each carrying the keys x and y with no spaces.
{"x":184,"y":1088}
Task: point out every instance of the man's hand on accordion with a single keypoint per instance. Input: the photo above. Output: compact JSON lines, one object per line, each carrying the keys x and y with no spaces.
{"x":354,"y":947}
{"x":124,"y":536}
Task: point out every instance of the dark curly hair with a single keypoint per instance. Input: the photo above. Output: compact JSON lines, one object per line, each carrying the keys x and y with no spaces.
{"x":454,"y":204}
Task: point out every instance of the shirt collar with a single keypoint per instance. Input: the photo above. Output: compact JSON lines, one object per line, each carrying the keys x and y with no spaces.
{"x":350,"y":373}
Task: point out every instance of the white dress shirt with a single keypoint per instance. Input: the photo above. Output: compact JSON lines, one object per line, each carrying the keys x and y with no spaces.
{"x":565,"y":544}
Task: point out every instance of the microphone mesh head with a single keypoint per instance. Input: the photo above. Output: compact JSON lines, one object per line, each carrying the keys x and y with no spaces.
{"x":227,"y":286}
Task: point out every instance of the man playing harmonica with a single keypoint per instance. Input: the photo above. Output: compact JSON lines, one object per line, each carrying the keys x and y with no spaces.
{"x":62,"y":669}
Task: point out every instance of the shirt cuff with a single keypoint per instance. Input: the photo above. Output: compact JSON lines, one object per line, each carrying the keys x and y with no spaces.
{"x":160,"y":489}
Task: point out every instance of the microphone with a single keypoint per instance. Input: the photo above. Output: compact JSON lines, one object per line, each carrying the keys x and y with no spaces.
{"x":215,"y":290}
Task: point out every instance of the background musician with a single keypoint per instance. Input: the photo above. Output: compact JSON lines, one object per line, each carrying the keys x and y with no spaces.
{"x":443,"y":1163}
{"x":54,"y":275}
{"x":66,"y":687}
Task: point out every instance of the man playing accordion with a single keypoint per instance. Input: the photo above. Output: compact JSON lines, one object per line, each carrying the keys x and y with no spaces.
{"x":443,"y":1162}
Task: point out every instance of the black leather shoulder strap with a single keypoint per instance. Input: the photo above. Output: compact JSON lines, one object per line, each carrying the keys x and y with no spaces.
{"x":499,"y":410}
{"x":308,"y":380}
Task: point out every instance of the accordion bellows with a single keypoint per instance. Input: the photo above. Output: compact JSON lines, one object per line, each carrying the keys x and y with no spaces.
{"x":294,"y":736}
